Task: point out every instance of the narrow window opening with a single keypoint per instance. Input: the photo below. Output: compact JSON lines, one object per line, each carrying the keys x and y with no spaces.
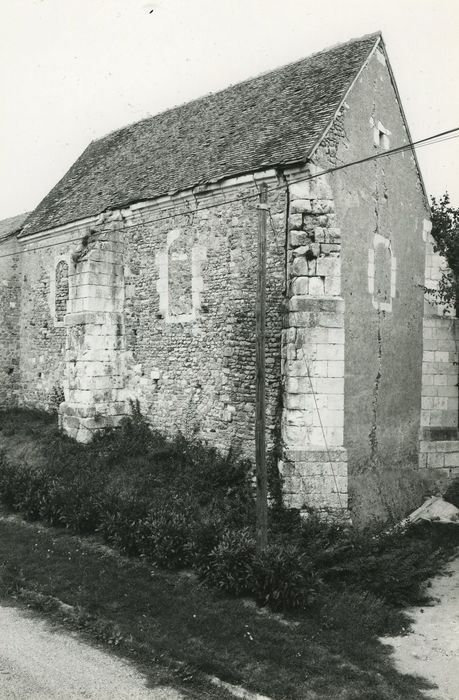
{"x":381,"y":137}
{"x":62,"y":290}
{"x":384,"y":141}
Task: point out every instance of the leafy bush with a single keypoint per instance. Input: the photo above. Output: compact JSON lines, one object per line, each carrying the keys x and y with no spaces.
{"x":284,"y":577}
{"x":120,"y":524}
{"x":280,"y":576}
{"x":178,"y":503}
{"x":165,"y":534}
{"x":229,"y":565}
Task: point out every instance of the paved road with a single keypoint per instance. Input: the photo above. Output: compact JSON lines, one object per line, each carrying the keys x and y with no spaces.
{"x":40,"y":663}
{"x":431,"y":650}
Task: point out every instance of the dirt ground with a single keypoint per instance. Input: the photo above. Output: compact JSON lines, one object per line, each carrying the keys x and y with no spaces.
{"x":431,"y":650}
{"x":40,"y":663}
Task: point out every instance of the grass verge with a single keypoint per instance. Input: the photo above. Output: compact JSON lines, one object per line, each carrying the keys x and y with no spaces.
{"x":172,"y":619}
{"x":176,"y":504}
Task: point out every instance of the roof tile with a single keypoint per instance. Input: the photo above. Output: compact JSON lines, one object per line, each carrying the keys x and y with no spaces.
{"x":274,"y":119}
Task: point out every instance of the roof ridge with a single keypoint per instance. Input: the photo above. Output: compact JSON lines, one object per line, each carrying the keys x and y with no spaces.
{"x":272,"y":119}
{"x":268,"y":71}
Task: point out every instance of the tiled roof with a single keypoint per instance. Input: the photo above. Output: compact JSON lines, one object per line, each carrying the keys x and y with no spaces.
{"x":273,"y":119}
{"x":12,"y":225}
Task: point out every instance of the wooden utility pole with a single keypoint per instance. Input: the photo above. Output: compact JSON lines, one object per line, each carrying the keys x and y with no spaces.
{"x":260,"y":412}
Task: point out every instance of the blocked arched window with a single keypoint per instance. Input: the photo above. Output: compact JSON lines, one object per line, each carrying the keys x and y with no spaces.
{"x":382,"y":269}
{"x":180,"y":277}
{"x":61,"y":290}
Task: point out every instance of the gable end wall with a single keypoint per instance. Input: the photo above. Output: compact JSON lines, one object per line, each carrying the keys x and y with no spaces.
{"x":381,"y":210}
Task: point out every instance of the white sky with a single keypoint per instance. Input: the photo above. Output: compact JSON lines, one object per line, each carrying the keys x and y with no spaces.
{"x":72,"y":70}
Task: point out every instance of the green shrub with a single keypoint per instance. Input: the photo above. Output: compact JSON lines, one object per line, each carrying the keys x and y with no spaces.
{"x":280,"y":576}
{"x":206,"y":533}
{"x":178,"y":503}
{"x":164,"y":535}
{"x":12,"y":482}
{"x":32,"y":493}
{"x":229,"y":565}
{"x":284,"y":577}
{"x":121,"y":521}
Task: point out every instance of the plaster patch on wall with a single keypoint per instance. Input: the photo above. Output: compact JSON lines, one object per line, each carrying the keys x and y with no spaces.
{"x":382,"y":264}
{"x":426,"y":229}
{"x":186,"y":307}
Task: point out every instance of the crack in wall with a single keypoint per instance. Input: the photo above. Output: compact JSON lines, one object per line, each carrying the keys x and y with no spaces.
{"x":372,"y":434}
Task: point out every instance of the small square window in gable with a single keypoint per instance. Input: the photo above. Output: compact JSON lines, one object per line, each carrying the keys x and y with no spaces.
{"x":381,"y":136}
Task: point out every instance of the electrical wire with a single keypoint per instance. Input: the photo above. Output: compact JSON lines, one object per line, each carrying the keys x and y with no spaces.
{"x":428,"y":141}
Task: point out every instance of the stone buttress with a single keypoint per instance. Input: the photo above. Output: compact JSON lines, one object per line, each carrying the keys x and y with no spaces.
{"x":314,"y":464}
{"x":95,"y":333}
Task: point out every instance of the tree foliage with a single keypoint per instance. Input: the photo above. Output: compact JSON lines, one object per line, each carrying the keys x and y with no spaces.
{"x":445,"y":231}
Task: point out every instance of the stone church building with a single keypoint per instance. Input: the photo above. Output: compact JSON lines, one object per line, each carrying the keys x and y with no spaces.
{"x":135,"y":279}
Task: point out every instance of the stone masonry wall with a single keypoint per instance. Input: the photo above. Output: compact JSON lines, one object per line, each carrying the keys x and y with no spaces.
{"x":9,"y":324}
{"x":315,"y":461}
{"x":160,"y":309}
{"x":439,"y":445}
{"x":95,"y":333}
{"x":42,"y":330}
{"x":190,"y":314}
{"x":381,"y":210}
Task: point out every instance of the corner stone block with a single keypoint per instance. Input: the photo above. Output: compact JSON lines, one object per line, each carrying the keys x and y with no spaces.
{"x":317,"y":286}
{"x":323,"y":206}
{"x":327,"y":266}
{"x":321,"y":189}
{"x":300,"y":206}
{"x":300,"y":190}
{"x":300,"y":267}
{"x":298,"y":239}
{"x":297,"y":418}
{"x":316,"y":478}
{"x":295,"y":222}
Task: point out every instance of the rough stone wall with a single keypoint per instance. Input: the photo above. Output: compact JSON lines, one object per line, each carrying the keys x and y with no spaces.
{"x":190,"y":314}
{"x":42,"y":330}
{"x":9,"y":322}
{"x":439,"y":446}
{"x":160,"y":309}
{"x":381,"y":211}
